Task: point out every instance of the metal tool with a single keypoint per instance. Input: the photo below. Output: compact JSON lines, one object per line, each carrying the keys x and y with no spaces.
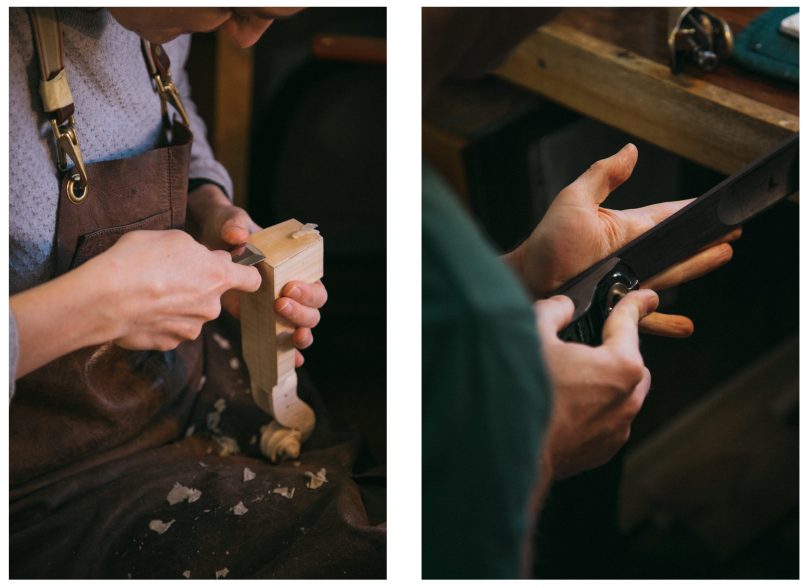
{"x":700,"y":37}
{"x":247,"y":254}
{"x":725,"y":207}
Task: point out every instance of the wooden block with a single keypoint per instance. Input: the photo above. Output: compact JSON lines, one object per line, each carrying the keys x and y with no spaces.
{"x":266,"y":336}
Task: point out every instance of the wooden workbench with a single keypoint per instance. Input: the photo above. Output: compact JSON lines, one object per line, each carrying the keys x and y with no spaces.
{"x":613,"y":65}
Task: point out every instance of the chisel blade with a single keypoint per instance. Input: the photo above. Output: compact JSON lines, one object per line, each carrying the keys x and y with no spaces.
{"x":247,"y":254}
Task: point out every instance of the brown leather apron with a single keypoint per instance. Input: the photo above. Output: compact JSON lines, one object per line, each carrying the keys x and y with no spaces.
{"x":97,"y":399}
{"x":97,"y":438}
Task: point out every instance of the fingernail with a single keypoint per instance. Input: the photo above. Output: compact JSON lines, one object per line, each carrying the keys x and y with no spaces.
{"x":285,"y":309}
{"x":294,"y":292}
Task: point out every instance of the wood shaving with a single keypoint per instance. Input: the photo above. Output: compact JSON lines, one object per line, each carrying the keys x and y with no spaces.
{"x":221,"y":341}
{"x":187,"y":573}
{"x":212,"y":421}
{"x":159,"y":526}
{"x":306,"y":230}
{"x":220,"y":405}
{"x":223,"y":573}
{"x":227,"y":445}
{"x":316,"y":480}
{"x":248,"y":475}
{"x":234,"y":363}
{"x":202,"y":464}
{"x":190,"y":430}
{"x":202,"y":383}
{"x":179,"y":493}
{"x":284,"y":491}
{"x":239,"y":509}
{"x":296,"y":464}
{"x":253,"y":440}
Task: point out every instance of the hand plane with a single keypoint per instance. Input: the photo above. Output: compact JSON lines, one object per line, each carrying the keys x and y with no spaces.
{"x":723,"y":208}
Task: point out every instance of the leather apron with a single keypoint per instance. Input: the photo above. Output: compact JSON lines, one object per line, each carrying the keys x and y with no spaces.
{"x":103,"y":400}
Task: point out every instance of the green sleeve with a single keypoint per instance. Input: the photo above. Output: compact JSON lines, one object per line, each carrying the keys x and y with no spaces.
{"x":485,"y":398}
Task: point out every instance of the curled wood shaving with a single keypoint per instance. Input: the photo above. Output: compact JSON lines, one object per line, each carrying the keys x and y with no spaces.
{"x":227,"y":445}
{"x":248,"y":475}
{"x":239,"y":509}
{"x":306,"y":230}
{"x":179,"y":493}
{"x":284,"y":491}
{"x":223,"y":573}
{"x":159,"y":526}
{"x":316,"y":480}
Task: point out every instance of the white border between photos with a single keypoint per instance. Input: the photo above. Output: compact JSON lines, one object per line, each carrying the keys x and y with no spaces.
{"x":403,"y":283}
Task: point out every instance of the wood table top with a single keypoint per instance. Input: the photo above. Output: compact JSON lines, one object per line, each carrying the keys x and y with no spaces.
{"x":612,"y":64}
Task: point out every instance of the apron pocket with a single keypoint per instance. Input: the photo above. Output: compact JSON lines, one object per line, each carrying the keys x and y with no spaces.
{"x":100,"y":240}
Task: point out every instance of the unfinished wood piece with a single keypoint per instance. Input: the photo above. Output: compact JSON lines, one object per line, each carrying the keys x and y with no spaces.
{"x":698,"y":120}
{"x":292,"y":253}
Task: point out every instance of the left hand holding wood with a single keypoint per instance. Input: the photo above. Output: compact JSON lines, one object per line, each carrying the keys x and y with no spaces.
{"x":216,"y":223}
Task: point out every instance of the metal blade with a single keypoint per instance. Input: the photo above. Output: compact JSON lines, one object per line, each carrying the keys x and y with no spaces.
{"x":247,"y":254}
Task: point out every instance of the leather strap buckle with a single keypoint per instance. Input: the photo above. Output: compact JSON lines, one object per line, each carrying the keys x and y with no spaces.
{"x":67,"y":147}
{"x":158,"y":64}
{"x":168,"y":93}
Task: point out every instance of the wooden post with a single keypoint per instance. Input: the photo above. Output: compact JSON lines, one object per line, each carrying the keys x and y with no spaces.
{"x":293,"y":252}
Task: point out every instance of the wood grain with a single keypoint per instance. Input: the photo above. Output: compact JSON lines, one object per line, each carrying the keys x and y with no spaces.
{"x":266,"y":336}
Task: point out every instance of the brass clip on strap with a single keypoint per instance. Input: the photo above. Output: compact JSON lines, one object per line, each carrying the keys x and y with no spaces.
{"x":67,"y":146}
{"x":57,"y":100}
{"x":158,"y":64}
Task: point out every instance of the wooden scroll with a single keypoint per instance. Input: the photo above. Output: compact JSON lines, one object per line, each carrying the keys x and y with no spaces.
{"x":293,"y":252}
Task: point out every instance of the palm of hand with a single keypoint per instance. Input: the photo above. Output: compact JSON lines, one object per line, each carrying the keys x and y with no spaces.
{"x":572,"y":237}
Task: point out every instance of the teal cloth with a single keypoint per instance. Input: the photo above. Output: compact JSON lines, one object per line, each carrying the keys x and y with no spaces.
{"x":485,"y":398}
{"x":762,"y":48}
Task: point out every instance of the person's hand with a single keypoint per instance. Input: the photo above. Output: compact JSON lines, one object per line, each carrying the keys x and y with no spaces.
{"x":576,"y":232}
{"x":218,"y":224}
{"x":597,"y":391}
{"x":166,"y":286}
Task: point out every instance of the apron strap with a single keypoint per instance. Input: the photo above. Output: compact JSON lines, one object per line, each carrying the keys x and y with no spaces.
{"x":158,"y":64}
{"x":57,"y":100}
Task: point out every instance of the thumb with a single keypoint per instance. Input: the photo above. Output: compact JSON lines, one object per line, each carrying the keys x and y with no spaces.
{"x":604,"y":176}
{"x":553,"y":315}
{"x":235,"y":229}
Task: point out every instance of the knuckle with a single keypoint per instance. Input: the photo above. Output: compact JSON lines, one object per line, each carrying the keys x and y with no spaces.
{"x":212,"y":310}
{"x":599,"y":166}
{"x":166,"y":344}
{"x":633,"y":406}
{"x":631,"y":366}
{"x":190,"y":332}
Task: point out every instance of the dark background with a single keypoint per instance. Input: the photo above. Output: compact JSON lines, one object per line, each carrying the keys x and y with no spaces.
{"x":318,"y":154}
